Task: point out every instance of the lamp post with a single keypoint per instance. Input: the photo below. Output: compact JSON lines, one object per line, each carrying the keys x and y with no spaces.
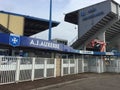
{"x":50,"y":22}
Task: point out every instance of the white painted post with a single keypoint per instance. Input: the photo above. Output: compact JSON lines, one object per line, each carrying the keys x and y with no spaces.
{"x":117,"y":63}
{"x":76,"y":66}
{"x":33,"y":69}
{"x":55,"y":67}
{"x":98,"y":66}
{"x":17,"y":69}
{"x":0,"y":60}
{"x":69,"y":66}
{"x":61,"y":67}
{"x":83,"y":64}
{"x":45,"y":68}
{"x":102,"y":65}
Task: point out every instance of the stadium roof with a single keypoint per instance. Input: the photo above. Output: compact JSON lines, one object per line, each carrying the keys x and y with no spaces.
{"x":33,"y":25}
{"x":73,"y":16}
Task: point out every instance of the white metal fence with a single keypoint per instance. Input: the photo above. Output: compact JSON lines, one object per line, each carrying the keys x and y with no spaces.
{"x":83,"y":64}
{"x":71,"y":66}
{"x":93,"y":64}
{"x":113,"y":66}
{"x":17,"y":69}
{"x":80,"y":65}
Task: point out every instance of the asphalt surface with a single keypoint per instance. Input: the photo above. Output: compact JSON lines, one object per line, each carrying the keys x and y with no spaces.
{"x":103,"y":82}
{"x":86,"y":81}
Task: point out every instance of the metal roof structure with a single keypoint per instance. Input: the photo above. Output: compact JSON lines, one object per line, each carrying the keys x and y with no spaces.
{"x":73,"y":16}
{"x":110,"y":23}
{"x":33,"y":25}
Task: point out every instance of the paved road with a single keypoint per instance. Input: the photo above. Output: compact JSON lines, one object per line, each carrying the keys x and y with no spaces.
{"x":99,"y":83}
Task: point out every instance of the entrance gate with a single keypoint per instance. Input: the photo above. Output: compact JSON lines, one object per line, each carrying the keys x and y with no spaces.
{"x":113,"y":66}
{"x":93,"y":64}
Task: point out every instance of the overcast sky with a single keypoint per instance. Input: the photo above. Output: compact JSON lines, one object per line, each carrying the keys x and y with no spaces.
{"x":40,"y":8}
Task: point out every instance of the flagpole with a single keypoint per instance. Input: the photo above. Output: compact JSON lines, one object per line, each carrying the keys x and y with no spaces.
{"x":50,"y":22}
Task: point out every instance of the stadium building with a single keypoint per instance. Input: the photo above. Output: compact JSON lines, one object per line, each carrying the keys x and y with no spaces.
{"x":23,"y":58}
{"x":98,"y":27}
{"x":21,"y":26}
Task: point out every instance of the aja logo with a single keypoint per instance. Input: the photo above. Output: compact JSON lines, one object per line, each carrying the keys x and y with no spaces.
{"x":14,"y":40}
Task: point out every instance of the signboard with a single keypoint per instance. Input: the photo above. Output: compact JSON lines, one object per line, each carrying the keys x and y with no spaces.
{"x":38,"y":43}
{"x":46,"y":44}
{"x":109,"y":53}
{"x":14,"y":40}
{"x":86,"y":52}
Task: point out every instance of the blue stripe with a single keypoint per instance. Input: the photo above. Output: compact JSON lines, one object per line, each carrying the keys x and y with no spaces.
{"x":44,"y":44}
{"x":4,"y":38}
{"x":99,"y":53}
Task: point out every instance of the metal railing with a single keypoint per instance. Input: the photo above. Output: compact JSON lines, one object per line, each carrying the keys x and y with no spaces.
{"x":18,"y":69}
{"x":71,"y":66}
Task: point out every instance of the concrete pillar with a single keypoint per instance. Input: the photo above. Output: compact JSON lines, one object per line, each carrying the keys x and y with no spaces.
{"x":58,"y":65}
{"x":101,"y":37}
{"x":61,"y":67}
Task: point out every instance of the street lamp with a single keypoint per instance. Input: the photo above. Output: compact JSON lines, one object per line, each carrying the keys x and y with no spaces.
{"x":50,"y":22}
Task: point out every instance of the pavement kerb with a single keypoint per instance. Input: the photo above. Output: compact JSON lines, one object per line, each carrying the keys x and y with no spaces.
{"x":64,"y":83}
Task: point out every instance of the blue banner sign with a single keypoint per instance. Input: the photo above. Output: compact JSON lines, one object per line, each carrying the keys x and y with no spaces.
{"x":86,"y":52}
{"x":4,"y":38}
{"x":38,"y":43}
{"x":22,"y":41}
{"x":44,"y":44}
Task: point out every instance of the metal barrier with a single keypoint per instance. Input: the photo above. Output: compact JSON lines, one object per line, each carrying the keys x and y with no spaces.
{"x":17,"y":69}
{"x":113,"y":66}
{"x":69,"y":66}
{"x":80,"y":65}
{"x":93,"y":64}
{"x":7,"y":69}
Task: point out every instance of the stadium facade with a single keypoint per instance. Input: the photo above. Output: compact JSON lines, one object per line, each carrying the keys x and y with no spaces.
{"x":23,"y":58}
{"x":14,"y":27}
{"x":98,"y":27}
